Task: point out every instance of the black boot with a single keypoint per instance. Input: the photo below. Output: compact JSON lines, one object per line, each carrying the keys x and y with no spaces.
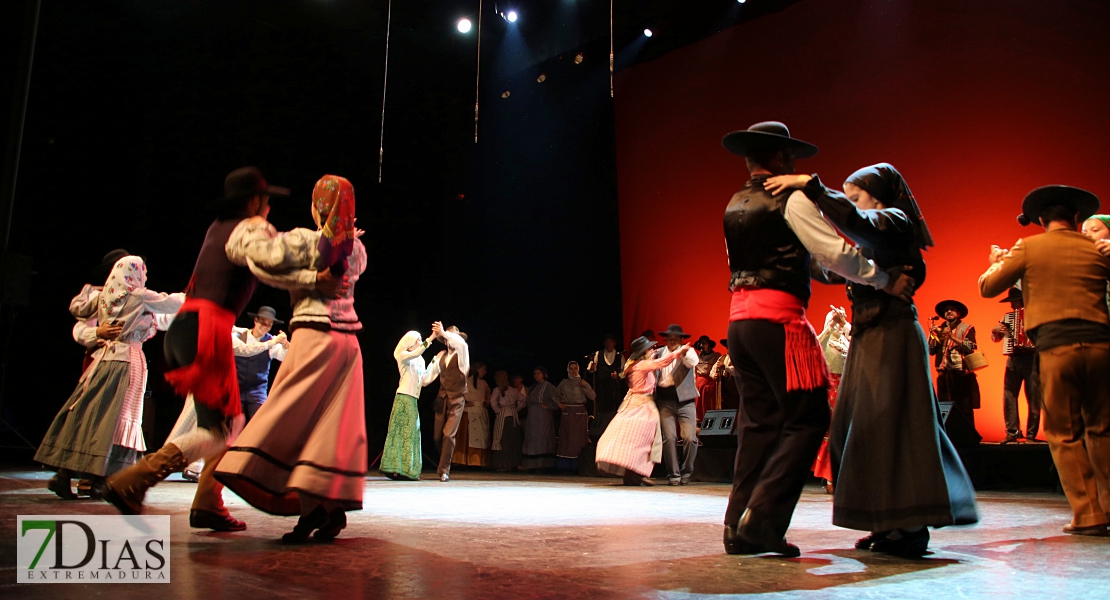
{"x":759,"y":531}
{"x":337,"y":521}
{"x":907,"y":544}
{"x":61,"y":484}
{"x":306,"y":525}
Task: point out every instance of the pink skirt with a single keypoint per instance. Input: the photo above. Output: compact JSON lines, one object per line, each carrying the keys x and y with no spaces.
{"x":632,"y":441}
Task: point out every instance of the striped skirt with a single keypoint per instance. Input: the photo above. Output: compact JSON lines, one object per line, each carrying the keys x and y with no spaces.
{"x":633,"y":440}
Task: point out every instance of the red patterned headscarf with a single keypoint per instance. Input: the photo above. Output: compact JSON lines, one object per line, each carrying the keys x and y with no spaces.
{"x":333,"y":200}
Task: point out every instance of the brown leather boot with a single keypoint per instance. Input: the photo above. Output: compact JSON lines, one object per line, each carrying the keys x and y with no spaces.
{"x":126,"y":489}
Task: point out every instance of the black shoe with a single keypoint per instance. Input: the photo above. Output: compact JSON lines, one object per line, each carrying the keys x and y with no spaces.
{"x":909,"y":545}
{"x":337,"y":521}
{"x":1010,"y":438}
{"x":735,"y":545}
{"x":759,"y":532}
{"x":305,"y":526}
{"x":206,"y":519}
{"x":61,"y":487}
{"x":865,"y":543}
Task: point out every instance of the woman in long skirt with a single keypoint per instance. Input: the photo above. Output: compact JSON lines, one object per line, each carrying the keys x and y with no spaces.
{"x":572,"y":394}
{"x":507,"y":402}
{"x":402,"y":456}
{"x":633,"y":444}
{"x":473,"y":436}
{"x":539,"y":425}
{"x":894,"y":469}
{"x":304,"y":451}
{"x":98,"y":430}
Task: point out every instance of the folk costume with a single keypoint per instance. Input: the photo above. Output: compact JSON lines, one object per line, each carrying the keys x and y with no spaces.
{"x":474,"y":429}
{"x":728,"y":395}
{"x":539,"y":425}
{"x":451,"y":366}
{"x":508,"y":438}
{"x":98,"y":431}
{"x":633,"y":443}
{"x":252,"y":361}
{"x":779,"y":365}
{"x":703,"y":378}
{"x":305,"y":452}
{"x":198,"y":350}
{"x":956,"y":383}
{"x":675,"y":396}
{"x":402,"y":456}
{"x":893,"y":466}
{"x":606,"y":366}
{"x":1063,"y":281}
{"x":834,"y":340}
{"x":572,"y":394}
{"x":1020,"y":353}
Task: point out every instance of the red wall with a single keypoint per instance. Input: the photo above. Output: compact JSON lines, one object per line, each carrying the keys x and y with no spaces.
{"x":976,"y":103}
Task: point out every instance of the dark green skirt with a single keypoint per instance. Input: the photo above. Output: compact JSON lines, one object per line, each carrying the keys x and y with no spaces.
{"x":402,"y":454}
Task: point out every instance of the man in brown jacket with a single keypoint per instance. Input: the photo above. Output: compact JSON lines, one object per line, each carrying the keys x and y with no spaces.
{"x":451,"y":366}
{"x":1064,"y":282}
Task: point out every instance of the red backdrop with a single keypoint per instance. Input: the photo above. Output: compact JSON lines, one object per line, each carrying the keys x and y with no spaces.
{"x":976,"y":103}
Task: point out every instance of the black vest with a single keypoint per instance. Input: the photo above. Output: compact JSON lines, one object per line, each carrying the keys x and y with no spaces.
{"x":763,"y":251}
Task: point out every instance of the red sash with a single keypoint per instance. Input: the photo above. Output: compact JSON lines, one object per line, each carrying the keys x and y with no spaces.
{"x":805,"y":360}
{"x":211,"y":377}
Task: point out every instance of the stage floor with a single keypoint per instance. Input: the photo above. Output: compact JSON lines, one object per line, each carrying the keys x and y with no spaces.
{"x":497,"y":536}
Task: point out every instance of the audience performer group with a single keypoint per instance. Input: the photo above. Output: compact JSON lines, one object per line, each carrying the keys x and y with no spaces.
{"x":855,"y":406}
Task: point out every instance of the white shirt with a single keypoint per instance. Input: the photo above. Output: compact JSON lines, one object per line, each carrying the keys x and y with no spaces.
{"x":455,"y":346}
{"x":827,"y":247}
{"x":254,"y":346}
{"x":414,"y":375}
{"x":665,"y":376}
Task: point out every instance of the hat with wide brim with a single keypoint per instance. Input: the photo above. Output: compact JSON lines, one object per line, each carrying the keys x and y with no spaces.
{"x":705,"y":338}
{"x":639,"y":347}
{"x":265,"y":312}
{"x":767,"y":135}
{"x":1085,"y":203}
{"x":724,"y":342}
{"x":1013,"y":296}
{"x":673,"y":330}
{"x":944,"y":305}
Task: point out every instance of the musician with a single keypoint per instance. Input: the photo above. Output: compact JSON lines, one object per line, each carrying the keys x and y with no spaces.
{"x":706,"y":384}
{"x":728,"y":396}
{"x":1019,"y":352}
{"x":950,"y":343}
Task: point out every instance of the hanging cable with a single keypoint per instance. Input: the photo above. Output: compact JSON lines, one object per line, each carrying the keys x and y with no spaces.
{"x":612,"y":56}
{"x":385,"y":80}
{"x":478,"y":72}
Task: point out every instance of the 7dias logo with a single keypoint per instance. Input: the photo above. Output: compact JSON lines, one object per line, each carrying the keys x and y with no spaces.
{"x":93,"y":549}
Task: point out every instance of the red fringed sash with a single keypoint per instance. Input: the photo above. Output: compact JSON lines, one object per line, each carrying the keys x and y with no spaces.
{"x":211,"y":378}
{"x":805,"y":361}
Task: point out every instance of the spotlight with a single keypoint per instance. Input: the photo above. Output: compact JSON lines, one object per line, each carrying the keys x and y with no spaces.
{"x":464,"y":25}
{"x":741,"y":1}
{"x":511,"y":16}
{"x":506,"y":94}
{"x":647,"y":32}
{"x":578,"y":58}
{"x":542,"y":78}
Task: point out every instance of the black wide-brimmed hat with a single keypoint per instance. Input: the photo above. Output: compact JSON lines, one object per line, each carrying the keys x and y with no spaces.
{"x":724,"y":342}
{"x":99,"y":274}
{"x":673,"y":330}
{"x":1085,"y":203}
{"x":944,"y":305}
{"x":246,"y":182}
{"x":1013,"y":296}
{"x":639,"y":347}
{"x":767,"y":135}
{"x":265,"y":312}
{"x":705,"y":338}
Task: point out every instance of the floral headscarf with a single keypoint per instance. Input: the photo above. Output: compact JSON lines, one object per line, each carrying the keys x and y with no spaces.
{"x":333,"y":200}
{"x":128,"y":276}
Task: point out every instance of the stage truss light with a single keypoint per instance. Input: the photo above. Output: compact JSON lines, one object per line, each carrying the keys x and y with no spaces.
{"x":647,"y":33}
{"x":542,"y":78}
{"x":741,"y":1}
{"x":578,"y":58}
{"x":506,"y":94}
{"x":464,"y":25}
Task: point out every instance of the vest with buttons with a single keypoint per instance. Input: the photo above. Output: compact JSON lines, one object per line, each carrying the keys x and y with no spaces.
{"x":763,"y":252}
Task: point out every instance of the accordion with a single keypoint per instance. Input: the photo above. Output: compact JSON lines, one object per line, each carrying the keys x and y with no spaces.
{"x":1015,"y":339}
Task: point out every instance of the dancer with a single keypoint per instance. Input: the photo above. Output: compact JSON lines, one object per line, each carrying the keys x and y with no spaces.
{"x":507,"y":402}
{"x":633,"y":443}
{"x":401,"y":458}
{"x":254,"y":349}
{"x":1063,"y":282}
{"x":895,"y":470}
{"x":951,"y":342}
{"x":675,"y":397}
{"x":571,"y":396}
{"x":88,"y":331}
{"x":780,"y":367}
{"x":305,"y":453}
{"x":706,"y":385}
{"x":539,"y":426}
{"x":198,"y":349}
{"x":1019,"y":352}
{"x":98,"y":431}
{"x":451,"y":366}
{"x":474,"y":421}
{"x":834,"y":340}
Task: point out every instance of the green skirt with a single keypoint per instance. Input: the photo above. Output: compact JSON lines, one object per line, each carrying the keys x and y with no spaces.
{"x":402,"y":454}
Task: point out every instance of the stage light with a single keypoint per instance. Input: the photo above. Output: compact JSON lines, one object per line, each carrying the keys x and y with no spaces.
{"x":542,"y":78}
{"x":464,"y":25}
{"x":741,"y":1}
{"x":506,"y":94}
{"x":647,"y":32}
{"x":578,"y":58}
{"x":511,"y":16}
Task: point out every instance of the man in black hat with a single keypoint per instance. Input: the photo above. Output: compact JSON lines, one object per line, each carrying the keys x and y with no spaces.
{"x":254,"y":349}
{"x":675,"y":397}
{"x":1063,"y":283}
{"x":724,"y":376}
{"x":779,"y":364}
{"x":1018,"y":350}
{"x":950,"y":343}
{"x":707,"y":386}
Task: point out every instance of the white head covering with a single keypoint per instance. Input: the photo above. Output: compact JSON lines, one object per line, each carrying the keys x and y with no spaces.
{"x":128,"y":277}
{"x":407,"y":341}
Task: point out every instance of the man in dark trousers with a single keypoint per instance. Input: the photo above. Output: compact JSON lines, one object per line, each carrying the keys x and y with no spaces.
{"x":779,"y":364}
{"x":950,"y":343}
{"x":1019,"y":352}
{"x":1063,"y":282}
